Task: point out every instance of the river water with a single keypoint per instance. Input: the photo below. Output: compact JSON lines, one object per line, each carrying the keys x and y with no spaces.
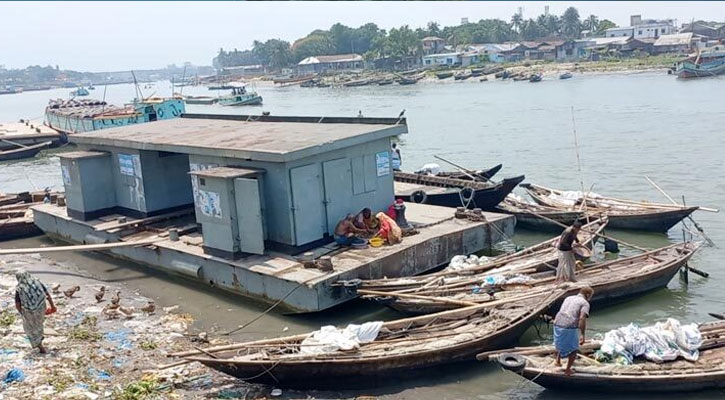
{"x":628,"y":126}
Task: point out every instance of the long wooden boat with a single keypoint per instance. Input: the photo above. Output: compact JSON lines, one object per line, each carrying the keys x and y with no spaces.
{"x":85,"y":115}
{"x":26,"y":133}
{"x":623,"y":214}
{"x":537,"y":365}
{"x":16,"y":218}
{"x":612,"y":282}
{"x":444,"y":75}
{"x":710,"y":62}
{"x":401,"y":346}
{"x":21,"y":152}
{"x":482,"y":175}
{"x":451,"y":192}
{"x":525,"y":217}
{"x":540,"y":257}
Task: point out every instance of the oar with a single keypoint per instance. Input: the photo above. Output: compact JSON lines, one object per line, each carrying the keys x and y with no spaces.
{"x":697,"y":226}
{"x":461,"y":169}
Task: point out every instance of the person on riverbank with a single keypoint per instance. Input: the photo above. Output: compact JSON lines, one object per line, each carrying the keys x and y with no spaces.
{"x":346,"y":233}
{"x":566,"y":269}
{"x":570,"y":321}
{"x":389,"y":229}
{"x":30,"y":297}
{"x":396,"y":157}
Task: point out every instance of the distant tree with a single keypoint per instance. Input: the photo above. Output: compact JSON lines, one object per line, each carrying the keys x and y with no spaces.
{"x":317,"y":43}
{"x":516,"y":22}
{"x":604,"y":25}
{"x":433,"y":29}
{"x":591,"y":23}
{"x":570,"y":23}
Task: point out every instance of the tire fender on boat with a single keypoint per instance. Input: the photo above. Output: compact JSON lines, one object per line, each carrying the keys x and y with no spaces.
{"x":512,"y":362}
{"x":418,"y":196}
{"x":467,"y":194}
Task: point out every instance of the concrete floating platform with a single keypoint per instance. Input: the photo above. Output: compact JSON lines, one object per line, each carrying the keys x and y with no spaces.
{"x":275,"y":276}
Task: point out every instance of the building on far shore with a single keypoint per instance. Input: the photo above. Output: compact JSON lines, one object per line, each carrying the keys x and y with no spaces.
{"x":709,"y":30}
{"x":639,"y":28}
{"x":683,"y":43}
{"x":337,"y":62}
{"x":433,"y":45}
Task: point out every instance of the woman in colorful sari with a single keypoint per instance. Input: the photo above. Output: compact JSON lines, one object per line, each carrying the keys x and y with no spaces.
{"x":30,"y":296}
{"x":389,"y":230}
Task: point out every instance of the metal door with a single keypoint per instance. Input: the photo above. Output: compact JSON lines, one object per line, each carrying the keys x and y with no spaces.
{"x":338,"y":190}
{"x":308,"y":210}
{"x":249,"y":215}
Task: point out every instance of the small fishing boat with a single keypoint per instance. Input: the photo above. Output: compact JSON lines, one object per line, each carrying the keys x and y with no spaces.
{"x":476,"y":72}
{"x":612,"y":282}
{"x":526,"y":215}
{"x":519,"y":78}
{"x":540,"y":257}
{"x":566,"y":75}
{"x":81,"y":91}
{"x":399,"y":347}
{"x":385,"y":82}
{"x":642,"y":376}
{"x":200,"y":100}
{"x":706,"y":63}
{"x":444,"y":74}
{"x":536,"y":77}
{"x":482,"y":175}
{"x":16,"y":217}
{"x":410,"y":80}
{"x":623,"y":214}
{"x":451,"y":192}
{"x":484,"y":79}
{"x":462,"y":76}
{"x":240,"y":97}
{"x":21,"y":151}
{"x":502,"y":74}
{"x":361,"y":82}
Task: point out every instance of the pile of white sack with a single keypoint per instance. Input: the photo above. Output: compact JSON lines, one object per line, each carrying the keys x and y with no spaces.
{"x":665,"y":341}
{"x":330,"y":339}
{"x":462,"y":263}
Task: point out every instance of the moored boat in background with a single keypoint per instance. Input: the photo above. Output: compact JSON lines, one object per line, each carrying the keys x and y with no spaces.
{"x":81,"y":91}
{"x":240,"y":97}
{"x":709,"y":62}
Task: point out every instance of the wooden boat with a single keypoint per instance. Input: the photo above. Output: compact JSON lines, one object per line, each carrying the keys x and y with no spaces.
{"x":536,"y":78}
{"x":81,"y":91}
{"x":444,"y":75}
{"x":16,"y":218}
{"x":623,"y":214}
{"x":476,"y":72}
{"x":462,"y":76}
{"x":21,"y":152}
{"x":240,"y":97}
{"x":483,"y":175}
{"x":540,"y":257}
{"x":401,"y":346}
{"x":200,"y":100}
{"x":386,"y":82}
{"x":566,"y":75}
{"x":361,"y":82}
{"x":526,"y":219}
{"x":537,"y":365}
{"x":412,"y":80}
{"x":450,"y":192}
{"x":612,"y":282}
{"x":707,"y":63}
{"x":484,"y":79}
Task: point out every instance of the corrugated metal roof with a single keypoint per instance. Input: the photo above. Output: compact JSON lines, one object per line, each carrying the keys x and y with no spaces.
{"x":331,"y":59}
{"x":676,"y":39}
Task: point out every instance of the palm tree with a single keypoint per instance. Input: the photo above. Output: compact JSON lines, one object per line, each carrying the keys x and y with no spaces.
{"x":516,"y":21}
{"x":591,"y":23}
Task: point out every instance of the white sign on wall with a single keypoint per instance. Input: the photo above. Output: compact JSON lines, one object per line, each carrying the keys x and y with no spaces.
{"x":382,"y":163}
{"x":66,"y":174}
{"x":126,"y":164}
{"x":210,"y":203}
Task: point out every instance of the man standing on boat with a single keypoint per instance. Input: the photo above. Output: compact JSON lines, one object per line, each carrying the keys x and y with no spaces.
{"x":569,"y":322}
{"x":397,"y":159}
{"x":566,"y":269}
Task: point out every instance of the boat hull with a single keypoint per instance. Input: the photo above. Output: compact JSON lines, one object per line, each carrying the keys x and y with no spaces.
{"x":311,"y":373}
{"x":252,"y":101}
{"x":23,"y":152}
{"x":486,"y":199}
{"x":17,"y":228}
{"x":624,"y":383}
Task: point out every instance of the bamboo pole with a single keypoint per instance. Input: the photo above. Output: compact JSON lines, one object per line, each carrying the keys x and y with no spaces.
{"x":417,"y":297}
{"x":81,"y":247}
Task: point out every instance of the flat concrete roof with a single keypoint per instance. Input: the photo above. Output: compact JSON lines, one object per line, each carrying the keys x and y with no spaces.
{"x":83,"y":154}
{"x":226,"y":172}
{"x":272,"y":140}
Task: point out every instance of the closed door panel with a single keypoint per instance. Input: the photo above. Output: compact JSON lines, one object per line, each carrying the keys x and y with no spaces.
{"x":338,"y":190}
{"x":307,"y":206}
{"x":249,"y":215}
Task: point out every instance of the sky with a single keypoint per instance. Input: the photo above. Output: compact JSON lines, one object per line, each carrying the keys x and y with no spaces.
{"x":114,"y":36}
